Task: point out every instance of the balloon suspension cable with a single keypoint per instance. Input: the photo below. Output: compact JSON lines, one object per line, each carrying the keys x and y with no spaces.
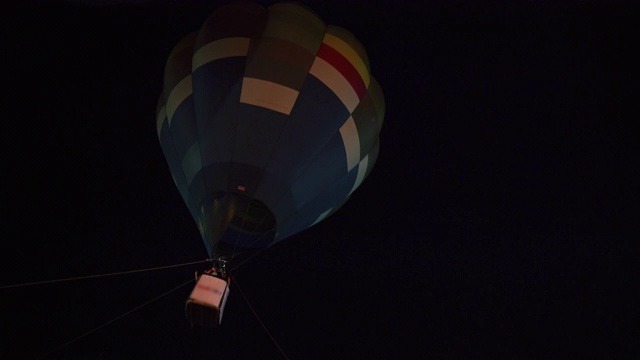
{"x":103,"y":275}
{"x":116,"y":319}
{"x":237,"y":266}
{"x":235,"y":282}
{"x":244,"y":218}
{"x":234,"y":255}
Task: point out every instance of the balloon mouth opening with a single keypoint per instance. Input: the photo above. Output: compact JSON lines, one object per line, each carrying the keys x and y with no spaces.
{"x":236,"y":219}
{"x":252,"y":216}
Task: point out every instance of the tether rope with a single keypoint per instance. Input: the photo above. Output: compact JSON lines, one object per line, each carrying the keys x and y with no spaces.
{"x":235,"y":254}
{"x":101,"y":275}
{"x":237,"y":266}
{"x":235,"y":281}
{"x":246,"y":212}
{"x":116,"y":318}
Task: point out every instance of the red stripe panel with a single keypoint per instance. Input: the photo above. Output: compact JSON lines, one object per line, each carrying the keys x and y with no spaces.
{"x":333,"y":57}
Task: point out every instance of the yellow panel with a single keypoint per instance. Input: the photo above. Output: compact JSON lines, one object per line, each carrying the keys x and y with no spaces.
{"x":347,"y":51}
{"x":296,"y":24}
{"x":279,"y":61}
{"x":351,"y":141}
{"x":299,"y":11}
{"x":348,"y":37}
{"x":178,"y":94}
{"x":268,"y":95}
{"x":219,"y":49}
{"x":336,"y":82}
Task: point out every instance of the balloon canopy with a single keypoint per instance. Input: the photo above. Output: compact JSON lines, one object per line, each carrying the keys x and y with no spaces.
{"x":269,"y":120}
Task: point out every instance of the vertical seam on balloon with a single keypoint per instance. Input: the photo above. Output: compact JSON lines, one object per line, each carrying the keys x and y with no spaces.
{"x":323,"y":48}
{"x":235,"y":128}
{"x":196,"y":65}
{"x":188,"y":184}
{"x":173,"y":146}
{"x":308,"y":164}
{"x":269,"y":159}
{"x":333,"y":209}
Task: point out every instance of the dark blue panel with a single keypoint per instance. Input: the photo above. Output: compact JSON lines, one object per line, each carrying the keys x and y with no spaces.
{"x":183,"y":127}
{"x":257,"y":132}
{"x":330,"y":198}
{"x":315,"y":118}
{"x":216,"y":88}
{"x":217,"y":177}
{"x":327,"y":167}
{"x":197,"y":191}
{"x":166,"y":142}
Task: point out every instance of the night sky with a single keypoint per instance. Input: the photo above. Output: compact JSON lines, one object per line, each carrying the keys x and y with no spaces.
{"x":495,"y":223}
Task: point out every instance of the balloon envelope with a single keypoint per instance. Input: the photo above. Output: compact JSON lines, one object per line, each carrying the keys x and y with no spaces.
{"x":269,"y":120}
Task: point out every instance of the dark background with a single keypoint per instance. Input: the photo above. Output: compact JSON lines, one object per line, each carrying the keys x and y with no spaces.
{"x":496,"y":223}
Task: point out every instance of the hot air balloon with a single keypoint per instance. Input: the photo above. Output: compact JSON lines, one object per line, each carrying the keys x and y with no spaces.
{"x":269,"y":120}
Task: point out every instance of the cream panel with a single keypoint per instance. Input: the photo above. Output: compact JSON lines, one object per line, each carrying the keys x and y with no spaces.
{"x":268,"y":95}
{"x":219,"y":49}
{"x":178,"y":95}
{"x":336,"y":82}
{"x":351,"y":140}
